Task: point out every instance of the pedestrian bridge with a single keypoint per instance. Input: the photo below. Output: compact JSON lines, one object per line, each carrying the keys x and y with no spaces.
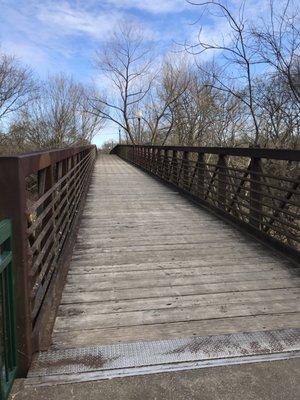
{"x":150,"y":259}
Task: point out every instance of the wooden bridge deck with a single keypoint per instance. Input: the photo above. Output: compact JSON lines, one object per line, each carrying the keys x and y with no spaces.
{"x":148,"y":264}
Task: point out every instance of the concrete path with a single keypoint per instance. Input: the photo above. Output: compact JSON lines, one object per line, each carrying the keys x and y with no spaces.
{"x":279,"y":380}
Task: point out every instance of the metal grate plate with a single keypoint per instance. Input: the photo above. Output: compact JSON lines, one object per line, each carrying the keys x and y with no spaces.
{"x":101,"y":362}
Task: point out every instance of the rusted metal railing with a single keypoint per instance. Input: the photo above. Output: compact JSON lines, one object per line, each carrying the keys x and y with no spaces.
{"x":256,"y":188}
{"x":42,"y":193}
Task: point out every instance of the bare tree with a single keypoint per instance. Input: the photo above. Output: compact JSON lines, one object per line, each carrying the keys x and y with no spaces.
{"x":278,"y":43}
{"x":126,"y":62}
{"x":192,"y":112}
{"x":60,"y":116}
{"x":17,"y":87}
{"x":278,"y":113}
{"x":168,"y":87}
{"x":238,"y":58}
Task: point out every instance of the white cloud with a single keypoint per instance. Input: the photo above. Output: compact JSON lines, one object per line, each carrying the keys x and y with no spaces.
{"x":70,"y":20}
{"x":33,"y":55}
{"x":153,"y":6}
{"x":63,"y":34}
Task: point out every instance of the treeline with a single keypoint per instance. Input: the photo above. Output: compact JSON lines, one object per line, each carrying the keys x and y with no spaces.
{"x":242,"y":89}
{"x":38,"y":115}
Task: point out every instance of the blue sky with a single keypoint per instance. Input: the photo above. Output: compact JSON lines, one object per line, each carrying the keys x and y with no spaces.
{"x":61,"y":36}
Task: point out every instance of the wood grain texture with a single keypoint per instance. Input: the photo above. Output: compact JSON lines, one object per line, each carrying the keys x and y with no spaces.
{"x":148,"y":264}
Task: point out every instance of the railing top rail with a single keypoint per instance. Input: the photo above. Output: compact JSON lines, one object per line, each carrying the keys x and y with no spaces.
{"x":275,"y":154}
{"x":37,"y":160}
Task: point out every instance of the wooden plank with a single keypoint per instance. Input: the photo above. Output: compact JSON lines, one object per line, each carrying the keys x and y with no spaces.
{"x":163,"y":302}
{"x":125,"y":274}
{"x":72,"y":297}
{"x":183,"y":267}
{"x":130,"y":257}
{"x":94,"y":242}
{"x":96,"y":282}
{"x":145,"y":317}
{"x":63,"y":340}
{"x":196,"y":247}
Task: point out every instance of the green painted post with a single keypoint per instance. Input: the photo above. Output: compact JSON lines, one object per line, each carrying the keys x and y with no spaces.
{"x":8,"y":355}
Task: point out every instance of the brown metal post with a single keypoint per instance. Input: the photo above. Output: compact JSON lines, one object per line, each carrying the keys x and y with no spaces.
{"x":222,"y":181}
{"x":148,"y":160}
{"x":143,"y":151}
{"x":138,"y":155}
{"x":200,"y":174}
{"x":153,"y":160}
{"x":142,"y":156}
{"x":166,"y":165}
{"x":146,"y":157}
{"x":13,"y":206}
{"x":185,"y":169}
{"x":174,"y":167}
{"x":158,"y":162}
{"x":255,"y":193}
{"x":149,"y":164}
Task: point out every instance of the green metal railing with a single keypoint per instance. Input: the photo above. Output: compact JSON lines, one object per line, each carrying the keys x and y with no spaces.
{"x":7,"y":312}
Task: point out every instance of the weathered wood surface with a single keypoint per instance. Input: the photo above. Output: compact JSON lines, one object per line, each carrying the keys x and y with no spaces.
{"x":148,"y":265}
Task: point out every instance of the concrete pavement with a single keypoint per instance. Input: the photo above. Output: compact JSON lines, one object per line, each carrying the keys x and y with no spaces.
{"x":275,"y":380}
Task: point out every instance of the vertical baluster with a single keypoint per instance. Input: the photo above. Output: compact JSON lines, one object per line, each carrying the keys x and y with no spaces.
{"x":142,"y":159}
{"x":153,"y":160}
{"x":222,"y":181}
{"x":185,"y":170}
{"x":201,"y":175}
{"x":58,"y":232}
{"x":174,"y":167}
{"x":255,"y":193}
{"x":67,"y":168}
{"x":150,"y":150}
{"x":193,"y":173}
{"x":140,"y":155}
{"x":148,"y":155}
{"x":158,"y":162}
{"x":166,"y":165}
{"x":144,"y":156}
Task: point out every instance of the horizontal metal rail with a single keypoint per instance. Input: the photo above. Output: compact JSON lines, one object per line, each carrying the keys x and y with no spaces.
{"x":42,"y":193}
{"x":255,"y":188}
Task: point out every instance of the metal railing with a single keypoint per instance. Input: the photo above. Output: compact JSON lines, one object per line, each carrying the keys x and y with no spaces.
{"x":42,"y":193}
{"x":256,"y":188}
{"x":8,"y":360}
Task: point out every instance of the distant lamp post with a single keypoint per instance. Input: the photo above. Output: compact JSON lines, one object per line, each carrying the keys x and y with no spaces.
{"x":139,"y":116}
{"x":119,"y":135}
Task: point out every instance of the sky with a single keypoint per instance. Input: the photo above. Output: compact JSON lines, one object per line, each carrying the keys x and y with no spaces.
{"x":53,"y":36}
